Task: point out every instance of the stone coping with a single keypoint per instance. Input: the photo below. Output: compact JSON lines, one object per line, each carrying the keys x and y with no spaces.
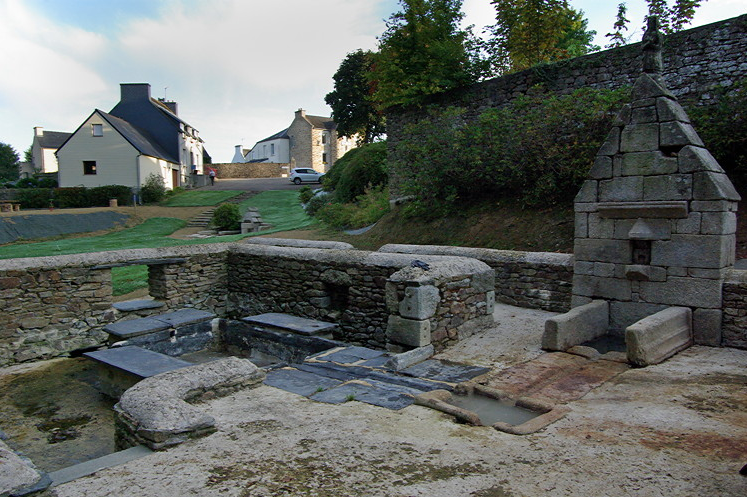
{"x":156,"y":411}
{"x":483,"y":254}
{"x":137,"y":305}
{"x":291,"y":242}
{"x":151,"y":324}
{"x":295,"y":324}
{"x":137,"y":361}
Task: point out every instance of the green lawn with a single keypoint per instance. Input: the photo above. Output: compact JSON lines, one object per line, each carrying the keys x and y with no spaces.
{"x":127,"y":279}
{"x":199,"y":198}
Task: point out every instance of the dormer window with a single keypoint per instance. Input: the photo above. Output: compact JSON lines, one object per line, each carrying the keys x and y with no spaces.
{"x":97,"y":129}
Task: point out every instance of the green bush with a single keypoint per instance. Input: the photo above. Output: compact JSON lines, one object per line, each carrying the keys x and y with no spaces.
{"x":34,"y":198}
{"x":357,"y":170}
{"x":227,"y":217}
{"x":305,"y":194}
{"x":153,"y":190}
{"x":366,"y":210}
{"x":99,"y":196}
{"x":536,"y":150}
{"x":317,"y":202}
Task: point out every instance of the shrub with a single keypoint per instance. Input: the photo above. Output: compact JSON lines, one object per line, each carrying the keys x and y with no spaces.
{"x":34,"y":198}
{"x":366,"y":210}
{"x":46,"y":183}
{"x":99,"y":196}
{"x":358,"y":169}
{"x":71,"y":197}
{"x":305,"y":194}
{"x":153,"y":190}
{"x":227,"y":217}
{"x":317,"y":202}
{"x":27,"y":183}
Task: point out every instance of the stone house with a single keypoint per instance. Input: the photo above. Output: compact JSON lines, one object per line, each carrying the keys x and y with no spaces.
{"x":310,"y":142}
{"x":138,"y":137}
{"x":43,"y":149}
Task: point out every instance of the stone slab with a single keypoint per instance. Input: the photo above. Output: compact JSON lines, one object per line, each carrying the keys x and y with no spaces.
{"x":580,"y":382}
{"x":404,"y":360}
{"x":370,"y":394}
{"x":299,"y":382}
{"x":294,"y":324}
{"x":434,"y":369}
{"x":135,"y":327}
{"x":137,"y":361}
{"x":659,"y":336}
{"x":350,"y":355}
{"x":137,"y":305}
{"x":651,"y":209}
{"x":90,"y":467}
{"x":358,"y":372}
{"x":341,"y":393}
{"x":576,"y":326}
{"x":183,"y":317}
{"x":380,"y":362}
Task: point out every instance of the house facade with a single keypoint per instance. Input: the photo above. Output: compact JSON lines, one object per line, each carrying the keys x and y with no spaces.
{"x":43,"y":149}
{"x":138,"y":137}
{"x":309,"y":142}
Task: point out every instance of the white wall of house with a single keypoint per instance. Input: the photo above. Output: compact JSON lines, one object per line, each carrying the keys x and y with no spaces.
{"x":152,"y":165}
{"x":115,"y":159}
{"x":276,"y":151}
{"x":190,"y":148}
{"x":45,"y":160}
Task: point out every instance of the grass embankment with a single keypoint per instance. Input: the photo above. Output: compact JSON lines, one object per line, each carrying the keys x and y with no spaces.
{"x":200,"y":198}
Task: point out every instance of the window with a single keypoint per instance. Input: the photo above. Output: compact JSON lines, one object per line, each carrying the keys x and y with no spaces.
{"x":324,"y":137}
{"x":97,"y":129}
{"x":272,"y":149}
{"x":324,"y":158}
{"x":89,"y":167}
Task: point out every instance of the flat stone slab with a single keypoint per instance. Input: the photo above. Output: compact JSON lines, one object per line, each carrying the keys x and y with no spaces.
{"x":86,"y":468}
{"x":137,"y":305}
{"x":299,"y":382}
{"x":294,"y":324}
{"x":184,"y":317}
{"x":137,"y":361}
{"x":135,"y":327}
{"x":376,"y":362}
{"x":377,"y":394}
{"x":352,"y":355}
{"x":434,"y":369}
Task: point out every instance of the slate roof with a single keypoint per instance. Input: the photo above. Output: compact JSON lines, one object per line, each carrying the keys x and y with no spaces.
{"x":276,"y":136}
{"x":138,"y":138}
{"x":321,"y":122}
{"x":53,"y":139}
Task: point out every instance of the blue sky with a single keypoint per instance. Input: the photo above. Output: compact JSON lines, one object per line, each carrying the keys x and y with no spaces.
{"x":237,"y":68}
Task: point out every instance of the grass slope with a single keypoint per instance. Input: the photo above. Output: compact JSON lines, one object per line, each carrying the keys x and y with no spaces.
{"x":199,"y":198}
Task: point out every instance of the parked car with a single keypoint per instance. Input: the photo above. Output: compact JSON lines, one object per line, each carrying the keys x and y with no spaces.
{"x":301,"y":175}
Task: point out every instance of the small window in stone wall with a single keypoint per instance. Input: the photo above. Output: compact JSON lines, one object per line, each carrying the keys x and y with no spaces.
{"x":338,"y":296}
{"x":324,"y":158}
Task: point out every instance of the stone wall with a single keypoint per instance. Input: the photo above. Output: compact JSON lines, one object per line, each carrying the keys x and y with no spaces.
{"x":537,"y":280}
{"x":734,"y":324}
{"x":695,"y":61}
{"x":229,"y":170}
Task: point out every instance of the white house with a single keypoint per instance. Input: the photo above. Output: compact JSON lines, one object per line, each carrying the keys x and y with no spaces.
{"x":43,"y":148}
{"x":139,"y":136}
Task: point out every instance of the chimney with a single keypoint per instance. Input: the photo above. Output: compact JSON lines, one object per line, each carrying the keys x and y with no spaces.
{"x":172,"y":106}
{"x":130,"y":92}
{"x":301,"y":113}
{"x":38,"y":131}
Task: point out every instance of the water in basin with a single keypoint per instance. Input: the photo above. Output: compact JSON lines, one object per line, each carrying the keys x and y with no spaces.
{"x":607,"y":343}
{"x":490,"y":410}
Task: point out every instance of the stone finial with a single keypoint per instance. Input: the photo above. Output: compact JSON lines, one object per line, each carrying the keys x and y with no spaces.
{"x":652,"y":43}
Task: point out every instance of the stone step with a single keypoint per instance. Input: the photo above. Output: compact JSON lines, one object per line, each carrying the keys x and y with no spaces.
{"x":123,"y":330}
{"x":292,"y":324}
{"x":136,"y":361}
{"x":137,"y":305}
{"x":86,"y":468}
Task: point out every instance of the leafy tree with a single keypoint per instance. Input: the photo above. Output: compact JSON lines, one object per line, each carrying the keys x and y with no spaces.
{"x":423,"y":52}
{"x":352,"y":107}
{"x":8,"y":162}
{"x":617,"y":38}
{"x":28,"y":154}
{"x":528,"y":32}
{"x":361,"y":168}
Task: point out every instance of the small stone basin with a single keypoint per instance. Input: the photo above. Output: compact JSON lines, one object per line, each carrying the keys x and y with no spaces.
{"x":491,"y":411}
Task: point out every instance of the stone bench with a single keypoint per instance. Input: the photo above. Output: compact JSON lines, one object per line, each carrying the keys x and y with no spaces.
{"x":292,"y":324}
{"x":122,"y":367}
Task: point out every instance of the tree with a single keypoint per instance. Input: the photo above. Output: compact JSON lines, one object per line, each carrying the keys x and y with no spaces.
{"x":423,"y":52}
{"x":352,"y":107}
{"x":528,"y":32}
{"x":8,"y":163}
{"x":28,"y":154}
{"x":617,"y":39}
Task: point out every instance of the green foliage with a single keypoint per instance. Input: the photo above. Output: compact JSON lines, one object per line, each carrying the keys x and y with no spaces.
{"x":423,"y":52}
{"x":352,"y":107}
{"x":318,"y":201}
{"x":672,"y":19}
{"x":305,"y":194}
{"x":358,"y":169}
{"x":617,"y":38}
{"x":198,"y":198}
{"x":529,"y":32}
{"x":39,"y":198}
{"x":28,"y":154}
{"x":153,"y":190}
{"x":8,"y":162}
{"x":536,"y":150}
{"x":34,"y":198}
{"x":127,"y":279}
{"x":364,"y":211}
{"x":723,"y":128}
{"x":227,"y":217}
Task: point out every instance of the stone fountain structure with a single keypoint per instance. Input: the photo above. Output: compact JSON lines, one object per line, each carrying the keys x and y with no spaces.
{"x":655,"y":230}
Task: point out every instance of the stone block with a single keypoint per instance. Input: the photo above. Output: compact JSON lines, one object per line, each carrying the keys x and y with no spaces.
{"x":404,"y":360}
{"x":646,"y":229}
{"x":602,"y":167}
{"x":647,"y":164}
{"x":707,"y":327}
{"x":689,"y":226}
{"x":411,"y":332}
{"x":642,"y":272}
{"x":718,"y":223}
{"x":581,"y":225}
{"x":677,"y":134}
{"x":668,"y":187}
{"x":623,"y":314}
{"x":483,"y":281}
{"x":669,"y":110}
{"x":691,"y":159}
{"x":658,"y":337}
{"x":601,"y":288}
{"x":713,"y":186}
{"x":420,"y":302}
{"x":598,"y":250}
{"x":677,"y":291}
{"x":490,"y":302}
{"x":583,"y":267}
{"x":576,"y":326}
{"x":579,"y":300}
{"x":703,"y":251}
{"x":604,"y":269}
{"x":627,"y":188}
{"x":648,"y":86}
{"x":611,"y":144}
{"x":600,"y":228}
{"x":639,"y":138}
{"x":642,"y":115}
{"x":713,"y":205}
{"x":588,"y":192}
{"x":673,"y":209}
{"x":391,"y":297}
{"x":623,"y":117}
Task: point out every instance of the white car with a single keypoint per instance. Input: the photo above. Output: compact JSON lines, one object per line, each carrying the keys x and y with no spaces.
{"x":302,"y":175}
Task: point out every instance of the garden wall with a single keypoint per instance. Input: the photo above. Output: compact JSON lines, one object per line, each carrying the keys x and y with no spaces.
{"x":734,"y":321}
{"x":536,"y":280}
{"x":695,"y":61}
{"x":229,"y":170}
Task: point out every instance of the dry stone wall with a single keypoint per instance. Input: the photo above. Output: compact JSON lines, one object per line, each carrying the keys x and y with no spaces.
{"x":229,"y":170}
{"x":734,"y":325}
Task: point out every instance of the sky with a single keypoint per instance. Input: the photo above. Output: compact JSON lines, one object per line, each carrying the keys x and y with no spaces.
{"x":238,"y":69}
